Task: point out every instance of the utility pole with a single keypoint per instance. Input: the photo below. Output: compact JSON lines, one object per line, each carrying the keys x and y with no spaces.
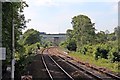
{"x":13,"y":41}
{"x":0,"y":39}
{"x":13,"y":45}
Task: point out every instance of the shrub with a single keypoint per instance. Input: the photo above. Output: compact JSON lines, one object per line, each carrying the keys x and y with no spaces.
{"x":72,"y":45}
{"x":63,"y":44}
{"x":102,"y":51}
{"x":114,"y":55}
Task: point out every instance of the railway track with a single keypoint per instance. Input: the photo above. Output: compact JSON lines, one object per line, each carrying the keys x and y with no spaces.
{"x":92,"y":71}
{"x":72,"y":71}
{"x":58,"y":69}
{"x":55,"y":71}
{"x":50,"y":64}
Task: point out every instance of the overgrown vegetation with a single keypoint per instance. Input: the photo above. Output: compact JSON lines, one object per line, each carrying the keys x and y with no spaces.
{"x":25,"y":44}
{"x":101,"y":46}
{"x":105,"y":63}
{"x":30,"y":41}
{"x":11,"y":15}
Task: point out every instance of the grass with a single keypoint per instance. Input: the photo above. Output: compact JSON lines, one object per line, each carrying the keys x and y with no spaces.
{"x":100,"y":62}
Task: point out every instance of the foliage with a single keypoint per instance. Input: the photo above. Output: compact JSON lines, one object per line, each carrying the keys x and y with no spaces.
{"x":31,"y":48}
{"x":30,"y":37}
{"x":47,"y":44}
{"x":105,"y":63}
{"x":98,"y":45}
{"x":72,"y":45}
{"x":11,"y":15}
{"x":102,"y":47}
{"x":30,"y":41}
{"x":114,"y":55}
{"x":71,"y":42}
{"x":101,"y":37}
{"x":83,"y":30}
{"x":20,"y":66}
{"x":63,"y":44}
{"x":70,"y":34}
{"x":102,"y":51}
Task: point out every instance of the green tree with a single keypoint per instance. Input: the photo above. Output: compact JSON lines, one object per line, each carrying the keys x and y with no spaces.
{"x":83,"y":30}
{"x":11,"y":15}
{"x":101,"y":37}
{"x":71,"y":41}
{"x":72,"y":45}
{"x":30,"y":37}
{"x":70,"y":34}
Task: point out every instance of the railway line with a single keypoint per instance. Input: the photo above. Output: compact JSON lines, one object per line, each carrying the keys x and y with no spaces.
{"x":93,"y":69}
{"x":59,"y":70}
{"x":89,"y":70}
{"x":54,"y":70}
{"x":50,"y":64}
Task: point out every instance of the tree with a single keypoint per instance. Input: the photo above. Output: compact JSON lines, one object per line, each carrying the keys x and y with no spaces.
{"x":70,"y":34}
{"x":30,"y":37}
{"x":101,"y":37}
{"x":71,"y":45}
{"x":11,"y":15}
{"x":83,"y":30}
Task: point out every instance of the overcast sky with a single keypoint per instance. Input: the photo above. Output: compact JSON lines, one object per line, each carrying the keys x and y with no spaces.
{"x":55,"y":16}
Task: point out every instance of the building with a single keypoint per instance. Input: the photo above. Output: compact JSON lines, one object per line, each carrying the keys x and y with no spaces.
{"x":53,"y":38}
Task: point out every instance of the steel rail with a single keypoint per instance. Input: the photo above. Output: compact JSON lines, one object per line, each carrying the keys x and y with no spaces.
{"x":47,"y":68}
{"x":88,"y":72}
{"x":104,"y":72}
{"x":57,"y":66}
{"x":61,"y":68}
{"x":96,"y":69}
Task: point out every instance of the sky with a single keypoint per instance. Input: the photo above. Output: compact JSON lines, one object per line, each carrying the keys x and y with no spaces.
{"x":55,"y":16}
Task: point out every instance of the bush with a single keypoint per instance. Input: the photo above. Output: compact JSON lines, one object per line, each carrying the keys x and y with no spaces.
{"x":102,"y":51}
{"x":72,"y":46}
{"x":114,"y":55}
{"x":63,"y":44}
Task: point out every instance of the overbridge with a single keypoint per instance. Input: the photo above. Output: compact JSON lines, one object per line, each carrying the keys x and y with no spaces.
{"x":54,"y":38}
